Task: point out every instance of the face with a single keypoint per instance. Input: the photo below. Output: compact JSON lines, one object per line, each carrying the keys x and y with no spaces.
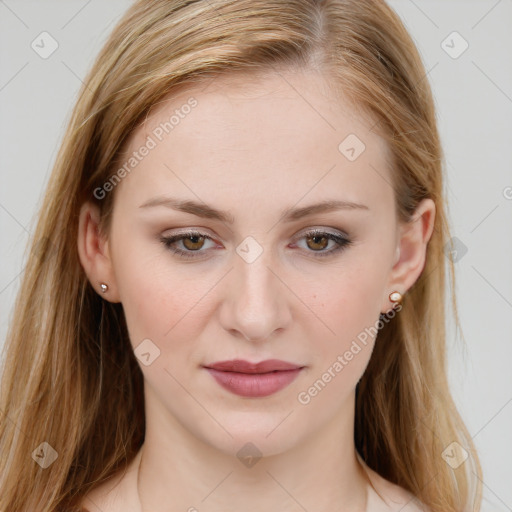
{"x":266,"y":279}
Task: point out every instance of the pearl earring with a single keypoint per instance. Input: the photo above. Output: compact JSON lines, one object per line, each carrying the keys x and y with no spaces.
{"x":395,"y":297}
{"x":104,"y":287}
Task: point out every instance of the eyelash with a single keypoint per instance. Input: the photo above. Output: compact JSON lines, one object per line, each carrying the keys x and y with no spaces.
{"x":341,"y":241}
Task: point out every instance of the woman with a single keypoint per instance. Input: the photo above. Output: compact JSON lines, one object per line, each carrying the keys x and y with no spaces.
{"x":237,"y":297}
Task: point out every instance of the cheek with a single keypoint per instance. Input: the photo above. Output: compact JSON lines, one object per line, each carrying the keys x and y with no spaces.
{"x":350,"y":299}
{"x":159,"y":302}
{"x":348,"y":306}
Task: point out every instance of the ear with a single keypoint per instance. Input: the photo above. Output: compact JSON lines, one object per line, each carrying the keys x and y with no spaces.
{"x":411,"y":250}
{"x":93,"y":251}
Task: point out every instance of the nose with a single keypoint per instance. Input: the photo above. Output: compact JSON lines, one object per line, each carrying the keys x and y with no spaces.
{"x":256,"y":301}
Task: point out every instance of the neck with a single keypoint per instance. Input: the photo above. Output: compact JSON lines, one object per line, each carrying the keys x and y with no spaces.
{"x":180,"y":471}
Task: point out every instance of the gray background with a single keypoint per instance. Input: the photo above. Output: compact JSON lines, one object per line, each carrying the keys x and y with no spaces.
{"x":473,"y":94}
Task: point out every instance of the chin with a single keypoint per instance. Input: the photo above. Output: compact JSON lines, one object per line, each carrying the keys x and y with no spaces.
{"x":250,"y":437}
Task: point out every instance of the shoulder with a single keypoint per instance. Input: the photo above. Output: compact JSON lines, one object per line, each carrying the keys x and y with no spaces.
{"x":393,"y":498}
{"x":117,"y":494}
{"x":105,"y":497}
{"x":385,"y":496}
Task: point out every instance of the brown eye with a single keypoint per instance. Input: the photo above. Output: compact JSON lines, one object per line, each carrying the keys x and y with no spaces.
{"x":193,"y":242}
{"x":320,"y":242}
{"x":317,"y":242}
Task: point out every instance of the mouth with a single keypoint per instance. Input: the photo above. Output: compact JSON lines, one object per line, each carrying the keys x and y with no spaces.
{"x":254,"y":380}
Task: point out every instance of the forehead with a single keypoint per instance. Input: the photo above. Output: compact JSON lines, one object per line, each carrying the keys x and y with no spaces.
{"x":282,"y":132}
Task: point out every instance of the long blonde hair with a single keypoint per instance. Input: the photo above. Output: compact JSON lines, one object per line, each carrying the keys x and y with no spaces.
{"x":68,"y":362}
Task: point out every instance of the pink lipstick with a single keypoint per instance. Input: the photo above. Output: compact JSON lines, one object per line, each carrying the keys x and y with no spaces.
{"x":254,"y":379}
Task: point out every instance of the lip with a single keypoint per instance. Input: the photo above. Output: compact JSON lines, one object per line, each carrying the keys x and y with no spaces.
{"x":254,"y":379}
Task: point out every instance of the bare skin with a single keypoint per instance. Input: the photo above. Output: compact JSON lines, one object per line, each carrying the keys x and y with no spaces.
{"x":120,"y":493}
{"x":253,"y":147}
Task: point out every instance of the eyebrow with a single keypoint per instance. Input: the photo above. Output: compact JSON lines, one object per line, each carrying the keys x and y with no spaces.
{"x":287,"y":215}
